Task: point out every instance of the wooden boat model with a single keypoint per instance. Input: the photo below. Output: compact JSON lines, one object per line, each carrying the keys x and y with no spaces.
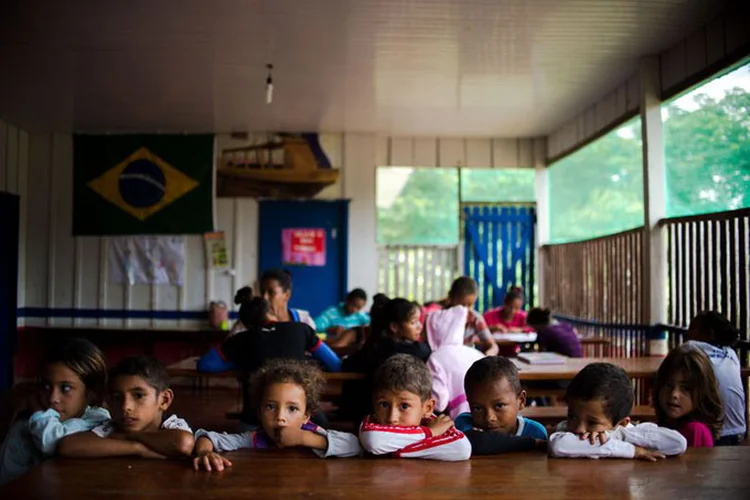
{"x":292,"y":166}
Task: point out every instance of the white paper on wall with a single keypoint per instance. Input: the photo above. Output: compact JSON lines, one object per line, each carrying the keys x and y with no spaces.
{"x":147,"y":260}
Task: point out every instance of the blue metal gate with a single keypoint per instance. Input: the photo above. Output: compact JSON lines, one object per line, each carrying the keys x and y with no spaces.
{"x":499,"y":251}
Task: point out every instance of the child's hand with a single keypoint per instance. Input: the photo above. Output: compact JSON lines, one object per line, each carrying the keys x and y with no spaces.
{"x":440,"y":425}
{"x":211,"y":461}
{"x":289,"y":437}
{"x":593,"y":437}
{"x":648,"y":455}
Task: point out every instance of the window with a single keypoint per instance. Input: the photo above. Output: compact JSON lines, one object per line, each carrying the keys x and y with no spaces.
{"x":598,"y":190}
{"x":506,"y":185}
{"x":707,"y":146}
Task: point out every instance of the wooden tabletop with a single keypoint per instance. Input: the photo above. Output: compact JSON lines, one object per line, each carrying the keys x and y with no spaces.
{"x":701,"y":473}
{"x":645,"y":367}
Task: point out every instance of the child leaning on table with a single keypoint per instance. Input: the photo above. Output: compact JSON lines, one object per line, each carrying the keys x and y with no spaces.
{"x":74,"y":376}
{"x":403,"y":423}
{"x":285,"y":393}
{"x":139,"y":396}
{"x":600,"y":398}
{"x":495,"y":397}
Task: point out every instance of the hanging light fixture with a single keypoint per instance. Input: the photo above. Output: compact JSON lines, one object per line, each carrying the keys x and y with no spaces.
{"x":269,"y":85}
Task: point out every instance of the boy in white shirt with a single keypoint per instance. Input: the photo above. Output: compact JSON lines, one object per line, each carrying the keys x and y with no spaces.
{"x":138,"y":398}
{"x":600,"y":398}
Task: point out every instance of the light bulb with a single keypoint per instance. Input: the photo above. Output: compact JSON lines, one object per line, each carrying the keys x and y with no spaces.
{"x":269,"y":93}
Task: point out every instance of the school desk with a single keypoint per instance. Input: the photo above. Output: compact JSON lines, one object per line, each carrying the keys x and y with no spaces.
{"x":716,"y":473}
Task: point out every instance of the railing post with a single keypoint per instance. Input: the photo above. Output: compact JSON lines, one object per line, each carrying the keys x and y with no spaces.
{"x":654,"y":258}
{"x":542,"y":216}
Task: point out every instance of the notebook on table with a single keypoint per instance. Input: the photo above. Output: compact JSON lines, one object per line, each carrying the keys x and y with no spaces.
{"x":542,"y":358}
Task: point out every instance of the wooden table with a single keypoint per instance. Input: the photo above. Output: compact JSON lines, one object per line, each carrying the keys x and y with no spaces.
{"x":645,"y":367}
{"x":701,"y":473}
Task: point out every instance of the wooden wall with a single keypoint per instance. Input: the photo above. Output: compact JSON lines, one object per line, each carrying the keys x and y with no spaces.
{"x":60,"y":271}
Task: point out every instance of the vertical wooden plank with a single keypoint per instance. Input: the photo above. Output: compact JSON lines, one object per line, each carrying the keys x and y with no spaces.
{"x":715,"y":278}
{"x":52,"y":225}
{"x":672,"y":276}
{"x":478,"y":153}
{"x":477,"y":244}
{"x":77,"y":278}
{"x":733,"y":257}
{"x":723,"y":268}
{"x":681,"y":271}
{"x":699,"y":265}
{"x":486,"y":275}
{"x":402,"y":152}
{"x":451,"y":152}
{"x":23,"y":176}
{"x":103,"y":274}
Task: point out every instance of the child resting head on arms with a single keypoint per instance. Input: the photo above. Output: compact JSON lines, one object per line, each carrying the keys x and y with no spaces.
{"x":73,"y":380}
{"x":403,"y":423}
{"x":495,"y":397}
{"x":285,"y":393}
{"x":686,"y":396}
{"x":600,"y":398}
{"x":139,"y":396}
{"x":713,"y":334}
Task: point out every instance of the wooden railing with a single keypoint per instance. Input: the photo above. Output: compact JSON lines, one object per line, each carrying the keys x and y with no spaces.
{"x":598,"y":278}
{"x":415,"y":272}
{"x":708,"y":266}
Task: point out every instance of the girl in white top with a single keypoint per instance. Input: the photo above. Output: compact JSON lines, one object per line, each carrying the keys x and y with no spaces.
{"x":600,"y":398}
{"x":712,"y":333}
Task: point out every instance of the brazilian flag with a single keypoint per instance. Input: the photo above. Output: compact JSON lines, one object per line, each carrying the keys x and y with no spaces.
{"x":142,"y":184}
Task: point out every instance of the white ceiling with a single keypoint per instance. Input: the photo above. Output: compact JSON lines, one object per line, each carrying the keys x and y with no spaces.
{"x":417,"y":67}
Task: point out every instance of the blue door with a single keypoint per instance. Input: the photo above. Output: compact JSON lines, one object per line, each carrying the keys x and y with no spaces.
{"x":315,"y":286}
{"x":499,"y":251}
{"x":9,"y":214}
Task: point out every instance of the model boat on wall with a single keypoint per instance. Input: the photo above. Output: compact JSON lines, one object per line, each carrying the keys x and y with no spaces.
{"x":289,"y":166}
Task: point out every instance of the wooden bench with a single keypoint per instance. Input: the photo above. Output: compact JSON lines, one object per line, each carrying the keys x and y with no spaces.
{"x":549,"y":416}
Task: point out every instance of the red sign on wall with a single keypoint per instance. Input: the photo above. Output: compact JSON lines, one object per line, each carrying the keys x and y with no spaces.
{"x":303,"y":247}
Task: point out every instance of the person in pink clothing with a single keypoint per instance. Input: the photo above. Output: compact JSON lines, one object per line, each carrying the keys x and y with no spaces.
{"x":450,"y":359}
{"x":687,"y":398}
{"x":510,"y":317}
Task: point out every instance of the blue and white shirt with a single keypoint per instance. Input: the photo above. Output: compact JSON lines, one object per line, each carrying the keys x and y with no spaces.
{"x":336,"y":316}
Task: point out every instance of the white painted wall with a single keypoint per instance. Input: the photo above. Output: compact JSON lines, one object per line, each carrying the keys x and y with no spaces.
{"x":61,"y":271}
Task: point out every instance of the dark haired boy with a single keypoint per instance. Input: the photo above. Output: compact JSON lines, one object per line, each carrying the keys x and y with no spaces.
{"x":403,"y":423}
{"x":139,"y":396}
{"x":495,"y":396}
{"x":600,"y":398}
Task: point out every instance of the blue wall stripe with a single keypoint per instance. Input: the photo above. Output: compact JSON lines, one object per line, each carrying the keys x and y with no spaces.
{"x":61,"y":312}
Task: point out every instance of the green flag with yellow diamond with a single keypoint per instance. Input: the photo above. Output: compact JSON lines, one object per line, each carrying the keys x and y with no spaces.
{"x":142,"y":184}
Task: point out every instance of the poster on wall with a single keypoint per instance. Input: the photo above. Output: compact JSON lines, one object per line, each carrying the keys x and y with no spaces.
{"x":216,"y":250}
{"x":303,"y":247}
{"x":147,"y":260}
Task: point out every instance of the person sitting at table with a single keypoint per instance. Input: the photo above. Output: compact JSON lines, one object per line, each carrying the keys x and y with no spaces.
{"x":713,"y":334}
{"x":266,"y":338}
{"x":276,"y":288}
{"x":554,"y":336}
{"x":68,"y":400}
{"x":495,"y":396}
{"x":339,"y":321}
{"x":285,"y":393}
{"x":686,"y":396}
{"x":403,"y":424}
{"x":242,"y":295}
{"x":450,"y":359}
{"x":510,"y":317}
{"x":395,"y":329}
{"x":139,"y":397}
{"x":464,"y":292}
{"x":600,"y":399}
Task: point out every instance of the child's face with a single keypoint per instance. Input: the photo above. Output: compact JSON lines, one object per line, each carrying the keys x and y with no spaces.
{"x":409,"y":330}
{"x":495,"y":406}
{"x":63,"y":391}
{"x":283,"y":405}
{"x":137,"y":406}
{"x":589,"y":416}
{"x":353,"y":306}
{"x":401,"y":408}
{"x":675,"y":397}
{"x":467,"y":300}
{"x":516,"y":305}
